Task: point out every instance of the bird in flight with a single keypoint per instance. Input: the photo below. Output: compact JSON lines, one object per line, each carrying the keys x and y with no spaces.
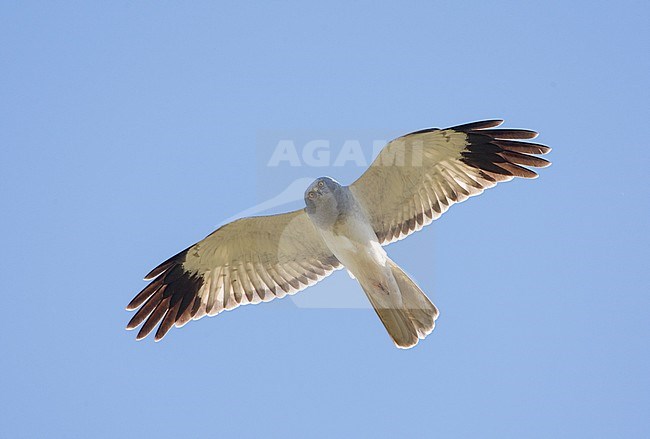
{"x":413,"y":180}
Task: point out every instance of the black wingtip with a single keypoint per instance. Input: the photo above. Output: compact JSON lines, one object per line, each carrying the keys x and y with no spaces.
{"x":166,"y":299}
{"x":513,"y":134}
{"x":164,"y":266}
{"x":480,"y":125}
{"x":499,"y":153}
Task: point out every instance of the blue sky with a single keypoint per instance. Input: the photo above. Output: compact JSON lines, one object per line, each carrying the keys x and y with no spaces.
{"x":129,"y":130}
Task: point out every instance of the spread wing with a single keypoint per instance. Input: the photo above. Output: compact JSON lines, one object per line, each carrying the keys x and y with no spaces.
{"x":250,"y":260}
{"x":417,"y":177}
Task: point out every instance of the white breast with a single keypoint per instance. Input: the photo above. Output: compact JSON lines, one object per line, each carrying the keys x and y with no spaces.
{"x":355,"y":245}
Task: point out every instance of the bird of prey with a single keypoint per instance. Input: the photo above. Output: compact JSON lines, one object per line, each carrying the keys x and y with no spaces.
{"x":413,"y":180}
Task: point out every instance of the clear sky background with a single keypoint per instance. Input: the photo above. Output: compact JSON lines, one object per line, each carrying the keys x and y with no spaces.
{"x":129,"y":130}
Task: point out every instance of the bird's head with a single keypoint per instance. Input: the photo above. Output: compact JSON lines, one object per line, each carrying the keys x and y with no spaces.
{"x":321,"y":195}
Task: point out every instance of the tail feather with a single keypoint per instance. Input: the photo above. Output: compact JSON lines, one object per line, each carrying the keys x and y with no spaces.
{"x":399,"y":326}
{"x":422,"y":311}
{"x":408,"y":315}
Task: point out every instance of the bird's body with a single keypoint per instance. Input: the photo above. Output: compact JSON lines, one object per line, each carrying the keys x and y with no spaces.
{"x":343,"y":223}
{"x":413,"y":181}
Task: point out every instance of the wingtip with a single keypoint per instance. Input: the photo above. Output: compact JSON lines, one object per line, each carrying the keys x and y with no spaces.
{"x":151,"y":275}
{"x":530,"y":134}
{"x":479,"y":125}
{"x":488,"y":123}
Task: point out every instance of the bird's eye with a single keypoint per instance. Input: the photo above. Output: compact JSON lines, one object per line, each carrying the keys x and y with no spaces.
{"x":311,"y":195}
{"x":321,"y":184}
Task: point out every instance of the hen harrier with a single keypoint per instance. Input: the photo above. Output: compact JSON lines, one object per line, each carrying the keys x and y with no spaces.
{"x":412,"y":182}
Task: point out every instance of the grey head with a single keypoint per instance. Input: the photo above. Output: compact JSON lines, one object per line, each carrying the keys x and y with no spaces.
{"x":326,"y":200}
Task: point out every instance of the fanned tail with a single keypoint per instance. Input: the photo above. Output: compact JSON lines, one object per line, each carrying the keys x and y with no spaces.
{"x":408,"y":315}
